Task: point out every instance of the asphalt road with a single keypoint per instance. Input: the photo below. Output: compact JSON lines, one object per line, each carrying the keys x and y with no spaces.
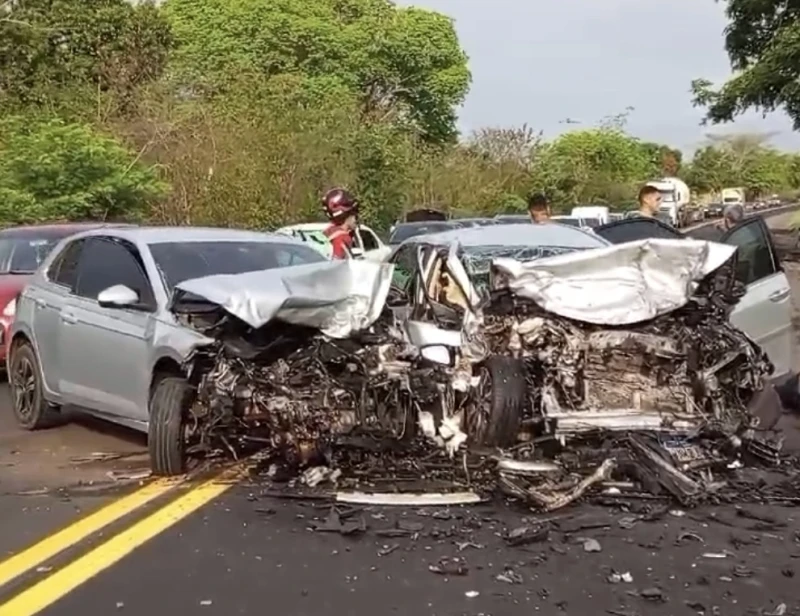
{"x":110,"y":542}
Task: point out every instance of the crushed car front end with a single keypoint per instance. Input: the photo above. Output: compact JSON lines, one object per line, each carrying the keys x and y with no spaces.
{"x":613,"y":371}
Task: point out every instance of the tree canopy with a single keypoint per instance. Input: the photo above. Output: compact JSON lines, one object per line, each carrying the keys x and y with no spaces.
{"x":402,"y":62}
{"x":763,"y":42}
{"x":242,"y":112}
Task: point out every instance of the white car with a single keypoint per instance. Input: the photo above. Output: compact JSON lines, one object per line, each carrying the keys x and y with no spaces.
{"x":572,"y":221}
{"x":367,"y":244}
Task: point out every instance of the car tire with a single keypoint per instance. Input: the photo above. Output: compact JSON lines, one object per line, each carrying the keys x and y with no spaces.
{"x":31,"y":409}
{"x":504,"y":401}
{"x":166,"y":439}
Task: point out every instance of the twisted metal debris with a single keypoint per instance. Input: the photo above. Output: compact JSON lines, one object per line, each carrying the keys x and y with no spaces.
{"x":661,"y":408}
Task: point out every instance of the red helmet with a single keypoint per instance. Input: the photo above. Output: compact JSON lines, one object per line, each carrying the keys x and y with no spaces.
{"x":338,"y":203}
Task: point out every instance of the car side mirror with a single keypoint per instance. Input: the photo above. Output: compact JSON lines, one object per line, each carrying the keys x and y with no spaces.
{"x":356,"y":252}
{"x":118,"y":296}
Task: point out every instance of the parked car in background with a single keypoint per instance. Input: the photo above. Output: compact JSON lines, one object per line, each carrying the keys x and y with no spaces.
{"x":572,"y":221}
{"x":94,"y":328}
{"x":715,"y":210}
{"x":22,"y":250}
{"x":513,"y":218}
{"x":474,"y":222}
{"x":404,"y":230}
{"x":599,"y":212}
{"x":366,"y":242}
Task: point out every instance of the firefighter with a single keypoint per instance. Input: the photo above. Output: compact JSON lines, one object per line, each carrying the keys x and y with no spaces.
{"x":341,"y":208}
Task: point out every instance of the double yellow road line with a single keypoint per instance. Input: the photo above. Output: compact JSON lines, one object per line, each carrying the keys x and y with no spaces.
{"x":52,"y":588}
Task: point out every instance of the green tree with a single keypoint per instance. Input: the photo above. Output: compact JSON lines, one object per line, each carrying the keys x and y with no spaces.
{"x":710,"y":170}
{"x":51,"y":170}
{"x":740,"y":160}
{"x":405,"y":64}
{"x":63,"y":53}
{"x":763,"y":42}
{"x":596,"y":165}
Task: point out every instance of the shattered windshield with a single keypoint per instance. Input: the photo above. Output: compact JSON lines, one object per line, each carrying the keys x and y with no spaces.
{"x":477,"y":260}
{"x":180,"y":261}
{"x":23,"y":255}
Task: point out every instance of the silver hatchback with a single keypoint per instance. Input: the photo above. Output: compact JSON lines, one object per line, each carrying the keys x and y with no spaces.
{"x":93,"y":327}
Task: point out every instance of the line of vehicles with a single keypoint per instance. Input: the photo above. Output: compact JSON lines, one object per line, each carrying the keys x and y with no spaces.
{"x":90,"y":320}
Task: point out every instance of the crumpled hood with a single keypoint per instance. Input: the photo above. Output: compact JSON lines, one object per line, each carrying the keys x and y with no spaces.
{"x":336,"y":297}
{"x":619,"y":285}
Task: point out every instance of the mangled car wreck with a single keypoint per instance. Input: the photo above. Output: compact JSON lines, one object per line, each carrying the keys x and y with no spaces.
{"x":594,"y":372}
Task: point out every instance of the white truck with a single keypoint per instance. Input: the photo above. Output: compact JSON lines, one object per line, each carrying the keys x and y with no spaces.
{"x":733,"y":196}
{"x":675,"y":199}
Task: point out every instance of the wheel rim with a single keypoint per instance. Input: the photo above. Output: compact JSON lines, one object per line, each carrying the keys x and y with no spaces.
{"x":481,"y":408}
{"x":23,"y":381}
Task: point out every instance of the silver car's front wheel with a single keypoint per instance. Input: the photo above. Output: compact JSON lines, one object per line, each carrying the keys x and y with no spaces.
{"x":31,"y":409}
{"x":166,"y":440}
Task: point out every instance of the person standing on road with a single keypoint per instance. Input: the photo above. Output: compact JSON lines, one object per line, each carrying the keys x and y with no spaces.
{"x":342,"y":210}
{"x":732,"y":215}
{"x":649,"y":201}
{"x":539,"y":208}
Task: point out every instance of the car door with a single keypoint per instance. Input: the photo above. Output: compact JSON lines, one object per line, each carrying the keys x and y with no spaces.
{"x":104,"y":350}
{"x":48,"y":300}
{"x":404,"y":281}
{"x":765,"y":311}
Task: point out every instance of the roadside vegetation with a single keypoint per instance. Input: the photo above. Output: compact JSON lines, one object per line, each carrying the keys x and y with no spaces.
{"x":241,"y":112}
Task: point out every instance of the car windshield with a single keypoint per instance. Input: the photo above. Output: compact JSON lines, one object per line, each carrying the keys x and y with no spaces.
{"x":24,"y":255}
{"x":402,"y":232}
{"x":478,"y":259}
{"x":180,"y":261}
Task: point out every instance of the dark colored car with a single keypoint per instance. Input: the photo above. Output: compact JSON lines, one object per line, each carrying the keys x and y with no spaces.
{"x":404,"y":230}
{"x":425,"y":215}
{"x":22,"y":249}
{"x":474,"y":222}
{"x":513,"y":219}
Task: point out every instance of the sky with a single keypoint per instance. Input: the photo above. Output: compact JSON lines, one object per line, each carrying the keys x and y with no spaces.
{"x":539,"y":62}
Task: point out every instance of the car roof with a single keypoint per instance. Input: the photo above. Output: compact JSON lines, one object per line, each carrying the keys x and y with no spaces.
{"x":527,"y":234}
{"x":165,"y":235}
{"x":422,"y":223}
{"x":57,"y":230}
{"x":313,"y":226}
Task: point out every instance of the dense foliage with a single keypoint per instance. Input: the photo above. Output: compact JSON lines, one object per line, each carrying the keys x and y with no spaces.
{"x":763,"y":42}
{"x":241,"y":112}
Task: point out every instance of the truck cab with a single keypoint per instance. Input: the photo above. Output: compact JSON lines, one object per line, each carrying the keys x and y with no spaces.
{"x":675,"y":198}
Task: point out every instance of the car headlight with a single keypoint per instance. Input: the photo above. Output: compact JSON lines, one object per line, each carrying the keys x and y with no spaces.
{"x":11,"y":308}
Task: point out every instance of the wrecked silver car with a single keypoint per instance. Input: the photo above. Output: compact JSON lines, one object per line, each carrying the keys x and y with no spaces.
{"x":614,"y":369}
